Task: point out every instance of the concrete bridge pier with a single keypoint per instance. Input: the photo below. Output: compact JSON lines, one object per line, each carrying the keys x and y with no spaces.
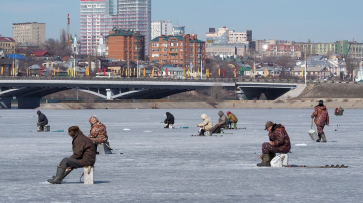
{"x":28,"y":102}
{"x":5,"y":103}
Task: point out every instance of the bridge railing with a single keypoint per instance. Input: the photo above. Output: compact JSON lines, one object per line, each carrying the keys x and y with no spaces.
{"x":164,"y":79}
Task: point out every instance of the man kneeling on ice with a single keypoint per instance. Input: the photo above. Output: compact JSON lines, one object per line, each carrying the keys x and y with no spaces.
{"x":279,"y":143}
{"x":84,"y":154}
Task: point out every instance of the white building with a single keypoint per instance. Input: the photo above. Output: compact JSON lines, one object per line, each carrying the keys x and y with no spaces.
{"x":161,"y":27}
{"x":98,"y":17}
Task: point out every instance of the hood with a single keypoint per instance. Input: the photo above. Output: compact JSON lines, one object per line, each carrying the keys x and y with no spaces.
{"x":93,"y":120}
{"x":39,"y":112}
{"x":322,"y":108}
{"x":204,"y":116}
{"x":220,"y":113}
{"x":167,"y":113}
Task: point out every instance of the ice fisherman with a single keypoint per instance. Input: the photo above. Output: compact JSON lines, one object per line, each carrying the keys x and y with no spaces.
{"x":321,"y":119}
{"x":336,"y":111}
{"x":231,"y":118}
{"x":222,"y":122}
{"x":98,"y":133}
{"x":84,"y":154}
{"x":207,"y":125}
{"x":279,"y":143}
{"x":42,"y":121}
{"x":169,"y":121}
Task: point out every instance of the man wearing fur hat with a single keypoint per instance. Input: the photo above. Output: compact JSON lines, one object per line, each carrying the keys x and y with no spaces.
{"x":84,"y":154}
{"x":321,"y":119}
{"x":279,"y":143}
{"x":98,"y":133}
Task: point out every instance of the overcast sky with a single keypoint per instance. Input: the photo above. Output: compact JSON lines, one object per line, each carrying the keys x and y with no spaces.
{"x":295,"y":20}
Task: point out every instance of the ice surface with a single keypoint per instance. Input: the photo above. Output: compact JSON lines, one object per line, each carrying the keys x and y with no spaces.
{"x":169,"y":165}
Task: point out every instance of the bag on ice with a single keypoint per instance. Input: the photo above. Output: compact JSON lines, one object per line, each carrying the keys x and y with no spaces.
{"x":279,"y":160}
{"x":313,"y":135}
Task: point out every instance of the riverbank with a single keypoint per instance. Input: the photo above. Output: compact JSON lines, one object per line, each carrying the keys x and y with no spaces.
{"x":306,"y":103}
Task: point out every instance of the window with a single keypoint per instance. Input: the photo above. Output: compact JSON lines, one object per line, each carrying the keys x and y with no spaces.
{"x":155,"y":44}
{"x":190,"y":44}
{"x":190,"y":49}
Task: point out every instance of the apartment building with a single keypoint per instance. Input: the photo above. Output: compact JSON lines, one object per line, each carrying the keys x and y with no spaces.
{"x":32,"y":33}
{"x":283,"y":50}
{"x":161,"y":27}
{"x":8,"y":45}
{"x":180,"y":51}
{"x":223,"y":35}
{"x":126,"y":45}
{"x":99,"y":17}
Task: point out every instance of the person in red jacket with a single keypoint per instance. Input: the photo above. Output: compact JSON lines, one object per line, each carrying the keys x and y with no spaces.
{"x":321,"y":119}
{"x":84,"y":154}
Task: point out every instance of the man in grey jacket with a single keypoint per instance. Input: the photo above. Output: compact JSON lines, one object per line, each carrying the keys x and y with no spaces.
{"x":222,"y":122}
{"x":42,"y":121}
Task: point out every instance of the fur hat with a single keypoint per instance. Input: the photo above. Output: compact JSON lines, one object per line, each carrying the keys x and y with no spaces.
{"x":268,"y":124}
{"x":72,"y":130}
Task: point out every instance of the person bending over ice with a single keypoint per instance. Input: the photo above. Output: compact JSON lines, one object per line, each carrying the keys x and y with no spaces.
{"x":98,"y":133}
{"x":42,"y":121}
{"x":222,"y":123}
{"x":84,"y":154}
{"x":207,"y":125}
{"x":279,"y":143}
{"x":169,"y":121}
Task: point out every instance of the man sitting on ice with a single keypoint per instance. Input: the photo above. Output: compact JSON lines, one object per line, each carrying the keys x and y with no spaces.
{"x":279,"y":143}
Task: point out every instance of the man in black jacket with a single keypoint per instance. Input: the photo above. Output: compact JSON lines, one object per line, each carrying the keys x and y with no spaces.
{"x":42,"y":121}
{"x":169,"y":121}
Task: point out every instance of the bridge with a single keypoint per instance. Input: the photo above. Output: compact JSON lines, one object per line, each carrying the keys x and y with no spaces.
{"x":29,"y":91}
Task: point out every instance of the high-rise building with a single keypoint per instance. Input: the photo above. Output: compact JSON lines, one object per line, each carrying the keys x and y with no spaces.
{"x":135,"y":15}
{"x":32,"y":33}
{"x":98,"y":17}
{"x":161,"y":27}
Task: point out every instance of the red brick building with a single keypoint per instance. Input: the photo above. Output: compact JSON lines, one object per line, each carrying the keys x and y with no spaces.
{"x":182,"y":50}
{"x":125,"y":45}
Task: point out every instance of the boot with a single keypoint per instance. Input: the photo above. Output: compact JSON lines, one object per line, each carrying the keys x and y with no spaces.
{"x":318,"y":140}
{"x":65,"y":174}
{"x":323,"y":137}
{"x":265,"y":161}
{"x":166,"y":126}
{"x":58,"y":177}
{"x":201,"y":132}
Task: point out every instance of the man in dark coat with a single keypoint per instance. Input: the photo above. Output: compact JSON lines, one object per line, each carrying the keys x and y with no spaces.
{"x":222,"y":123}
{"x":279,"y":143}
{"x":42,"y":121}
{"x":84,"y":154}
{"x":321,"y":119}
{"x":169,"y":121}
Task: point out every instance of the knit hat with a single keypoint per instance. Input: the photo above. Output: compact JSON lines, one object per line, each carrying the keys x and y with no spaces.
{"x":228,"y":112}
{"x":321,"y":102}
{"x":268,"y":124}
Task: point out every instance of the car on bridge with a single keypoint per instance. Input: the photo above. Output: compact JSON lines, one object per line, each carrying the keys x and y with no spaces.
{"x":106,"y":75}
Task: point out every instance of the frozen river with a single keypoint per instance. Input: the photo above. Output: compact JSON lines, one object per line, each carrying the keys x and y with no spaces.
{"x":169,"y":165}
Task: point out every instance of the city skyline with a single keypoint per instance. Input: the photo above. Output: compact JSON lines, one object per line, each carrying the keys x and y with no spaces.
{"x":324,"y":20}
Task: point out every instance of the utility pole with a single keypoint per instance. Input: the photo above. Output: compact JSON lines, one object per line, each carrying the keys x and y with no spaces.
{"x":306,"y":64}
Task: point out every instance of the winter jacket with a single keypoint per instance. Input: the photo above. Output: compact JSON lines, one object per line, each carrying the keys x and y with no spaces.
{"x":280,"y":139}
{"x":222,"y":121}
{"x":169,"y":118}
{"x":98,"y":133}
{"x":83,"y":149}
{"x":232,"y":118}
{"x":42,"y":119}
{"x":321,"y":116}
{"x":207,"y":123}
